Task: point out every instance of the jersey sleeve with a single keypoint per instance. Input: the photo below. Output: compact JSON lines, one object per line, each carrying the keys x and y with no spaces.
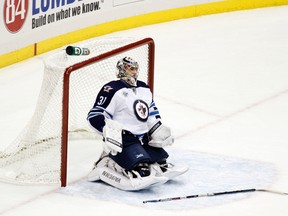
{"x":154,"y":114}
{"x":98,"y":113}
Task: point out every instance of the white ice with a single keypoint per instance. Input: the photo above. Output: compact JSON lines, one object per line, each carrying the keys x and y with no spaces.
{"x":221,"y":84}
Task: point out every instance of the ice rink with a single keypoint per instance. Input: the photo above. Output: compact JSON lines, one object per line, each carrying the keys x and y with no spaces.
{"x":221,"y":83}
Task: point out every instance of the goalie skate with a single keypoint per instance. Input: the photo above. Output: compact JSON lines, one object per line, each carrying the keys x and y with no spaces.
{"x":169,"y":170}
{"x":111,"y":173}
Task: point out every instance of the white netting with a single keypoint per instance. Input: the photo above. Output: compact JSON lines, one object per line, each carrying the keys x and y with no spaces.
{"x":35,"y":155}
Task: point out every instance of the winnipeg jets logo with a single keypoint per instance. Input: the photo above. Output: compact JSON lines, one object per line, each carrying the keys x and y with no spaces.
{"x":107,"y":88}
{"x":141,"y":110}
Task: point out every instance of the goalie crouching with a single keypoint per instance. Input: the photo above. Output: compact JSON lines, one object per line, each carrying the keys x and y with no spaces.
{"x":134,"y":137}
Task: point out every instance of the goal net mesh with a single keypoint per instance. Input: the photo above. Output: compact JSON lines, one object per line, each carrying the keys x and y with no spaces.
{"x":34,"y":157}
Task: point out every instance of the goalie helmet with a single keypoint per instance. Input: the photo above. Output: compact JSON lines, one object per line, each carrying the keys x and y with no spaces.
{"x":125,"y":65}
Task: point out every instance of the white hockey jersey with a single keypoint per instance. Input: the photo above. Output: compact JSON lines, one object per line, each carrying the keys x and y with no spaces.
{"x":133,"y":107}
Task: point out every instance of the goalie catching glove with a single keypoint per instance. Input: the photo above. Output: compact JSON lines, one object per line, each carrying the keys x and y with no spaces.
{"x":160,"y":135}
{"x":112,"y":134}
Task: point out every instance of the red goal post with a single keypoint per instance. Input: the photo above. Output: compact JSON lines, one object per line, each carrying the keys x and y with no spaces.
{"x":71,"y":69}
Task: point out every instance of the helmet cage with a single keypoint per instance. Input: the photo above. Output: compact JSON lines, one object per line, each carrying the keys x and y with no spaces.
{"x":124,"y":64}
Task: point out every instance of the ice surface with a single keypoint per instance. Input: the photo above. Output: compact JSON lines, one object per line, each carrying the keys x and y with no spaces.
{"x":208,"y":173}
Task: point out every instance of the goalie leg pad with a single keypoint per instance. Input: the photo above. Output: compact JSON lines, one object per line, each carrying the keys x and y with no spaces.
{"x":127,"y":183}
{"x":111,"y":173}
{"x":94,"y":175}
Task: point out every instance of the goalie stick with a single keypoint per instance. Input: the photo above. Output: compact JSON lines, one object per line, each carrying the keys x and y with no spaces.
{"x":215,"y":194}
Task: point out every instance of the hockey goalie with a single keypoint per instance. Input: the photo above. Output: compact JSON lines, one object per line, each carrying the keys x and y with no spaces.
{"x":134,"y":136}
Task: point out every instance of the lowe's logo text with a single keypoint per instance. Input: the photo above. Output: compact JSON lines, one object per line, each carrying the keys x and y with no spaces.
{"x":44,"y":5}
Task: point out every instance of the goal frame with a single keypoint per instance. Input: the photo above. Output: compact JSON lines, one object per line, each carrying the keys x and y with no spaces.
{"x":66,"y":81}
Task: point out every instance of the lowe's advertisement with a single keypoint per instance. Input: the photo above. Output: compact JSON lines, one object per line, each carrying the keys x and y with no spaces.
{"x":32,"y":27}
{"x":26,"y":22}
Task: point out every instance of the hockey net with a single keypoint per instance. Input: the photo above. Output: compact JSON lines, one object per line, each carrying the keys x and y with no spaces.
{"x":69,"y":89}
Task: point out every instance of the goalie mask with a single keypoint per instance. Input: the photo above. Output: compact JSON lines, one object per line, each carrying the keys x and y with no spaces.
{"x":127,"y":70}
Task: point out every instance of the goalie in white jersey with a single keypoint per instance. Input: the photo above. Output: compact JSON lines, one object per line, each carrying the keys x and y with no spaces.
{"x":133,"y":134}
